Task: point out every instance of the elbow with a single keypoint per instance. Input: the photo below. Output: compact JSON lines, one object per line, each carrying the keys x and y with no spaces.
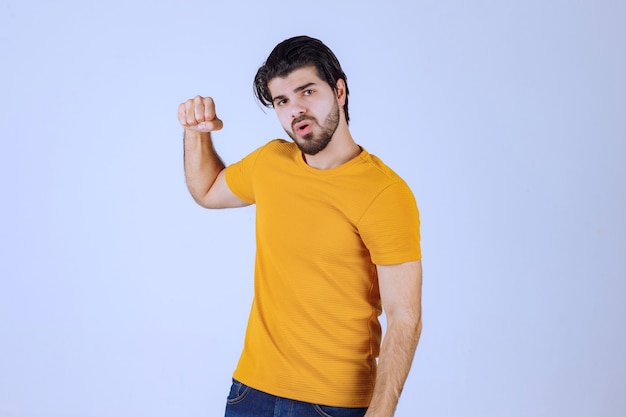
{"x":414,"y":326}
{"x":200,"y":199}
{"x":208,"y":204}
{"x":411,"y":323}
{"x":204,"y":198}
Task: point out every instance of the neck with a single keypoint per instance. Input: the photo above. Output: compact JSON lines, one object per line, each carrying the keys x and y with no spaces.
{"x":340,"y":150}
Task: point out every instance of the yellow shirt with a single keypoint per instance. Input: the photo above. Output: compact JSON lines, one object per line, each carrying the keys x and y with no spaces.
{"x":313,"y":333}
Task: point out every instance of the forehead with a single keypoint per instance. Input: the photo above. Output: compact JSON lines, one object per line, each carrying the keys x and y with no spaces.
{"x":293,"y":80}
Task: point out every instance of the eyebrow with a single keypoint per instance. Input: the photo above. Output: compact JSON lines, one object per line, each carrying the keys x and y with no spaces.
{"x":296,"y":90}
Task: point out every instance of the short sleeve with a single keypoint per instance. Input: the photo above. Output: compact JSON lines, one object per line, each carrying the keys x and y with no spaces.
{"x":239,"y":177}
{"x":390,"y":227}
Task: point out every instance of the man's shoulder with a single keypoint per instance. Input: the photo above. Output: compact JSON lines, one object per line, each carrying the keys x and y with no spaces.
{"x":276,"y":148}
{"x":380,"y":169}
{"x":279,"y":145}
{"x":271,"y":149}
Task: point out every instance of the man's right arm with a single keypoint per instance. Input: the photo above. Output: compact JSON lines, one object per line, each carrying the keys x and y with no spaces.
{"x":204,"y":170}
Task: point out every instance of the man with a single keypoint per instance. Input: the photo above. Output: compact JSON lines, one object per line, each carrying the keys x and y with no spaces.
{"x":337,"y":234}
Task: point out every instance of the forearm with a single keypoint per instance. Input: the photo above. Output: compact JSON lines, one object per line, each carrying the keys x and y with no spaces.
{"x":396,"y":357}
{"x":202,"y":164}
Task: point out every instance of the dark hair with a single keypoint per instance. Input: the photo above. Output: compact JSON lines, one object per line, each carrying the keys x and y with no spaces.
{"x":293,"y":54}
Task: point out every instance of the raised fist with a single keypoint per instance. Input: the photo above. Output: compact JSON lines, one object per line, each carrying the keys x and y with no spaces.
{"x":198,"y":114}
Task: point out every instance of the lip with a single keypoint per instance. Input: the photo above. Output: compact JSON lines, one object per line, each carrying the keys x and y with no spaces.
{"x":303,"y":127}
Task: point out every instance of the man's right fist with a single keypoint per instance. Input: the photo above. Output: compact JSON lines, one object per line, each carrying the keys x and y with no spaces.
{"x":198,"y":114}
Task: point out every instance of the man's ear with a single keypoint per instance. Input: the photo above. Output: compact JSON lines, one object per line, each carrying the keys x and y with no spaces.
{"x":340,"y":91}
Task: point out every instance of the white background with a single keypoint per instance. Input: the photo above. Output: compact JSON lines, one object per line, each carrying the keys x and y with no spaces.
{"x":120,"y":297}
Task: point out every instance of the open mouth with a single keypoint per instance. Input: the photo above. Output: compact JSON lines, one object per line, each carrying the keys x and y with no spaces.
{"x":303,"y":127}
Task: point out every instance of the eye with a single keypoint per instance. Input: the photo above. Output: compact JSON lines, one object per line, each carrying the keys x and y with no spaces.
{"x":308,"y":92}
{"x":281,"y":102}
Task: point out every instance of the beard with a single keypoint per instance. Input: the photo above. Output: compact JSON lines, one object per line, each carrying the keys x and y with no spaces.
{"x":311,"y":144}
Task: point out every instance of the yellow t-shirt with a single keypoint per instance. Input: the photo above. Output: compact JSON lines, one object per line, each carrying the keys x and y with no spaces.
{"x":313,"y":333}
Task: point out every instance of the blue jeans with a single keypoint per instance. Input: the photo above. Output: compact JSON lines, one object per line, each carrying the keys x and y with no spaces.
{"x":244,"y":401}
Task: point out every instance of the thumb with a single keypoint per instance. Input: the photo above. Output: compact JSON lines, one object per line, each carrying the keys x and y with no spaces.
{"x":211,"y":125}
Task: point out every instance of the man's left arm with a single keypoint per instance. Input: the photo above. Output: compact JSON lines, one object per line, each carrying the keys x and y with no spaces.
{"x":401,"y":294}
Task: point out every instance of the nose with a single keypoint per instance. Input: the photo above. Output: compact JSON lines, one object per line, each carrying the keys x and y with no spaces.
{"x":296,"y":110}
